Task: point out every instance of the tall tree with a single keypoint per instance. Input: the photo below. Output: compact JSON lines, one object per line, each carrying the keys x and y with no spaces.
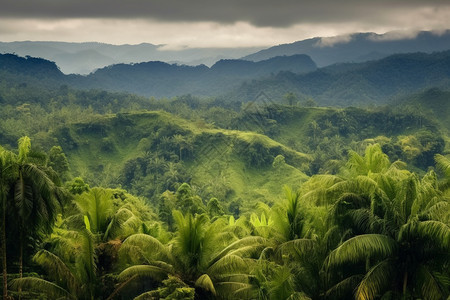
{"x":30,"y":195}
{"x":37,"y":195}
{"x":7,"y":175}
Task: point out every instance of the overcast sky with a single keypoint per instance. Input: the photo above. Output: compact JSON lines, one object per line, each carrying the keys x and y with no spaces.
{"x":212,"y":23}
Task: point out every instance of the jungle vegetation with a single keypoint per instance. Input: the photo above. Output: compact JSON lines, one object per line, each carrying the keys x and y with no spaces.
{"x":117,"y":196}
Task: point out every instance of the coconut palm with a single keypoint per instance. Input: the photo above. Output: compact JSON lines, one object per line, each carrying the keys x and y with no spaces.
{"x":400,"y":244}
{"x":7,"y":175}
{"x":37,"y":196}
{"x":70,"y":263}
{"x":198,"y":255}
{"x":30,"y":195}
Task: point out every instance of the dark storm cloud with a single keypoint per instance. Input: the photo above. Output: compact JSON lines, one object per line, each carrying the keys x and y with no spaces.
{"x":278,"y":13}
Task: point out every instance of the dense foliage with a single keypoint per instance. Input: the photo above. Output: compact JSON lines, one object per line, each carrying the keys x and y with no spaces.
{"x":121,"y":197}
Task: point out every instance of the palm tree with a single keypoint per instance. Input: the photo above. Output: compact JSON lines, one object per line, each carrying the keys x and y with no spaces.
{"x":396,"y":232}
{"x":443,"y":165}
{"x":30,"y":192}
{"x":302,"y":242}
{"x":70,"y":263}
{"x":180,"y":141}
{"x":198,"y":255}
{"x":37,"y":196}
{"x":7,"y":175}
{"x":376,"y":203}
{"x":97,"y":205}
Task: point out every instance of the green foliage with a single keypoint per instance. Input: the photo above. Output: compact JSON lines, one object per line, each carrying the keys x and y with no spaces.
{"x":58,"y":161}
{"x":77,"y":186}
{"x":186,"y":202}
{"x":214,"y":208}
{"x":368,"y":227}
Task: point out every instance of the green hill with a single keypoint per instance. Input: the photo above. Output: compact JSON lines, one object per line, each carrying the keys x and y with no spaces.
{"x":374,"y":82}
{"x":152,"y":151}
{"x":436,"y":101}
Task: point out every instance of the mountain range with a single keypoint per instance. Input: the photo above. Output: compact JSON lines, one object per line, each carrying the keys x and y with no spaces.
{"x":373,"y":82}
{"x":359,"y":47}
{"x":84,"y":58}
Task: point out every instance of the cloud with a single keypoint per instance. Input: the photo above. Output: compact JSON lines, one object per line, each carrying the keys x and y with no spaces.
{"x":214,"y":23}
{"x":395,"y":35}
{"x":260,"y":13}
{"x":333,"y":40}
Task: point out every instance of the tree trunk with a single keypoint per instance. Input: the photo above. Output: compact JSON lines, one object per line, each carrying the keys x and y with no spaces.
{"x":3,"y":241}
{"x":405,"y":284}
{"x":21,"y":262}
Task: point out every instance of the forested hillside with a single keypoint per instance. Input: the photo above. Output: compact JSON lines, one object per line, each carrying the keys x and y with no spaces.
{"x":358,"y":47}
{"x":374,"y":82}
{"x":256,"y":193}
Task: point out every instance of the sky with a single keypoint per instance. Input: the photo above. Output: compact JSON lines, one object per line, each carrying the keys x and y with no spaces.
{"x":179,"y":24}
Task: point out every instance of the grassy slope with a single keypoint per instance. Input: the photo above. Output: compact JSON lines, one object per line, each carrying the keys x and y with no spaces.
{"x":105,"y":145}
{"x":436,"y":104}
{"x":295,"y":129}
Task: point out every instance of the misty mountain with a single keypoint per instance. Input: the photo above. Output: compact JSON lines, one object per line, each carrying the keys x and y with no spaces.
{"x":373,"y":82}
{"x":84,"y":58}
{"x":358,"y":47}
{"x":155,"y":78}
{"x":161,"y":79}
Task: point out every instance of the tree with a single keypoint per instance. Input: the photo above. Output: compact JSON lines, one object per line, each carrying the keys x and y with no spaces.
{"x":30,"y":193}
{"x":58,"y":161}
{"x":214,"y":208}
{"x":290,"y":98}
{"x":7,"y":175}
{"x":97,"y":205}
{"x":399,"y":240}
{"x":77,"y":186}
{"x":198,"y":255}
{"x":187,"y":202}
{"x":70,"y":264}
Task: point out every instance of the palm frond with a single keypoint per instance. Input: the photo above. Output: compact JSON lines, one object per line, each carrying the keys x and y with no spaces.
{"x":251,"y":251}
{"x":228,"y":264}
{"x":297,"y":248}
{"x":42,"y":286}
{"x":443,"y":164}
{"x":143,"y":271}
{"x":205,"y":283}
{"x":56,"y":268}
{"x":244,"y":242}
{"x":344,"y":287}
{"x":439,"y":211}
{"x":429,"y":285}
{"x":141,"y":246}
{"x":435,"y":231}
{"x":237,"y":290}
{"x":24,"y":146}
{"x":375,"y":281}
{"x":314,"y":191}
{"x":360,"y":247}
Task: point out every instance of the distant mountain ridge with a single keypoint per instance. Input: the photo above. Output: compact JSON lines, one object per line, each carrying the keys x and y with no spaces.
{"x":359,"y":47}
{"x":84,"y":58}
{"x":160,"y":79}
{"x":373,"y":82}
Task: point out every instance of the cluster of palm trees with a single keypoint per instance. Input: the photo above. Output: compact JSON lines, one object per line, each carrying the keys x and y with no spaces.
{"x":374,"y":231}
